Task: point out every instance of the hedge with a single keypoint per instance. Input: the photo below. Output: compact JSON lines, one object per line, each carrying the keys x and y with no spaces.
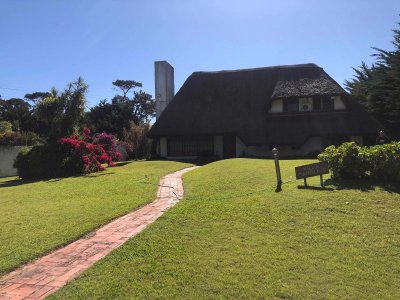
{"x":351,"y":161}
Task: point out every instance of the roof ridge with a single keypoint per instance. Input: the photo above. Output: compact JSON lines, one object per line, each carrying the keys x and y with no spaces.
{"x":307,"y":65}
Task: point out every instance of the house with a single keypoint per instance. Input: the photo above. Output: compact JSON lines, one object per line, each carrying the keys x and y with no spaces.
{"x":299,"y":109}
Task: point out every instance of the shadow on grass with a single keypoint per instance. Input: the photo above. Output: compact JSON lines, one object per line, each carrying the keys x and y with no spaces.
{"x":122,"y":163}
{"x":315,"y":188}
{"x":16,"y":182}
{"x":198,"y":161}
{"x":363,"y":185}
{"x":19,"y":181}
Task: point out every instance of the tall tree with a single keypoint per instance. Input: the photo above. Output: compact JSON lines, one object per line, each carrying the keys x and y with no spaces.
{"x":128,"y":106}
{"x":74,"y":101}
{"x":126,"y":85}
{"x":62,"y":113}
{"x":17,"y":112}
{"x":37,"y":96}
{"x":377,"y":87}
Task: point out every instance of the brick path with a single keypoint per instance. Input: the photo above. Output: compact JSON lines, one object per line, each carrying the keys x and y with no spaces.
{"x":49,"y":273}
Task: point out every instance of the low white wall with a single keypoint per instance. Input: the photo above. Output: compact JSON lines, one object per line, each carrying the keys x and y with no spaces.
{"x":7,"y":157}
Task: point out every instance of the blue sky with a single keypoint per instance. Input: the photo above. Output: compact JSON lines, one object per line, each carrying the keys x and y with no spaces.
{"x":47,"y":43}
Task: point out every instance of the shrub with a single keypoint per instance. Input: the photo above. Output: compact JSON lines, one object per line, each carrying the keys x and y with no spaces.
{"x":85,"y":154}
{"x":72,"y":155}
{"x":21,"y":162}
{"x":384,"y":161}
{"x":136,"y":137}
{"x":350,"y":161}
{"x":11,"y":138}
{"x":5,"y":126}
{"x":41,"y":161}
{"x":109,"y":144}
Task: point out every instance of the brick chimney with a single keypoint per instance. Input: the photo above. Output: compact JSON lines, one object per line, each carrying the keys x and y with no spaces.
{"x":164,"y":85}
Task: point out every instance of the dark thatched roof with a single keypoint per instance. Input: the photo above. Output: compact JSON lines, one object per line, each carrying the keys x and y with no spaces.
{"x":320,"y":85}
{"x":225,"y":102}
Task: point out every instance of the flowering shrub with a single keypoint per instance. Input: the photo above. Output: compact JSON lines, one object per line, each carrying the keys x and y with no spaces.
{"x":108,"y":142}
{"x":77,"y":154}
{"x":86,"y":154}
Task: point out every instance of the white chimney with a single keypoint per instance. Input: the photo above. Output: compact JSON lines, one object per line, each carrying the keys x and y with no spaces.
{"x":164,"y":81}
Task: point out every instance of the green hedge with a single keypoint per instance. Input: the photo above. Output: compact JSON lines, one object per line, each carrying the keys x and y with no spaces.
{"x":350,"y":161}
{"x":43,"y":161}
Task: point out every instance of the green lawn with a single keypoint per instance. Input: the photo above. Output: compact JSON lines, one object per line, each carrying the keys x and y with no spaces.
{"x":37,"y":217}
{"x":234,"y":237}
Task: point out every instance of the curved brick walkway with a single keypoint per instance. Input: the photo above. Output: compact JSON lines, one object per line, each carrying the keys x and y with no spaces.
{"x":49,"y":273}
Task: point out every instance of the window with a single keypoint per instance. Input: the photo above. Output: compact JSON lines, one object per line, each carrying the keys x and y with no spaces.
{"x":327,"y":104}
{"x":190,"y":146}
{"x":338,"y":103}
{"x":291,"y":105}
{"x":276,"y":106}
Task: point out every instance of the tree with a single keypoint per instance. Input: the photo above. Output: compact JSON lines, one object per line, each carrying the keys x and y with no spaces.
{"x":116,"y":116}
{"x":18,"y":112}
{"x":37,"y":96}
{"x":74,"y":102}
{"x":126,"y":85}
{"x":62,"y":114}
{"x":377,"y":87}
{"x":50,"y":112}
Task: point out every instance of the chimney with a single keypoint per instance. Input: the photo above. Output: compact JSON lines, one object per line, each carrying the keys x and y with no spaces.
{"x":164,"y":84}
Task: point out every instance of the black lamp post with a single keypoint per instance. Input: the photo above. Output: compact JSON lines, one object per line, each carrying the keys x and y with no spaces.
{"x":275,"y":155}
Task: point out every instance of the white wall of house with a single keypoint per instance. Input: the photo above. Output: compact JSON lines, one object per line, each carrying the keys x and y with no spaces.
{"x":218,"y":146}
{"x":7,"y":156}
{"x":163,"y":147}
{"x":338,"y":103}
{"x":276,"y":106}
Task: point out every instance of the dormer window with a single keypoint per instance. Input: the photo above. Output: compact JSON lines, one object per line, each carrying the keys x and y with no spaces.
{"x":323,"y":103}
{"x":338,"y":103}
{"x":291,"y":105}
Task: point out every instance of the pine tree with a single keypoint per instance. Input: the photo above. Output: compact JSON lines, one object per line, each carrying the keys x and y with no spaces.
{"x":377,"y":87}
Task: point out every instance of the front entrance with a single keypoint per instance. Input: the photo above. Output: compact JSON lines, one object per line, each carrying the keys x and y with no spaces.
{"x":229,"y":146}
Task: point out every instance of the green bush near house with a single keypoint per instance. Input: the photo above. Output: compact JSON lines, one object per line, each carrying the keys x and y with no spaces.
{"x":351,"y":161}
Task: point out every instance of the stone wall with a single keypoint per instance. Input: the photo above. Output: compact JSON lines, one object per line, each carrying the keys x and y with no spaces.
{"x":7,"y":157}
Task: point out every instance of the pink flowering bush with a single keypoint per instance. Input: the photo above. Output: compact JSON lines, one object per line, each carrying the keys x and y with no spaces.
{"x":86,"y":154}
{"x":109,"y":143}
{"x":78,"y":154}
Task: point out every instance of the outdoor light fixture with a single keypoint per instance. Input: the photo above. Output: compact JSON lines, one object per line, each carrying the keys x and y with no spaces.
{"x":275,"y":155}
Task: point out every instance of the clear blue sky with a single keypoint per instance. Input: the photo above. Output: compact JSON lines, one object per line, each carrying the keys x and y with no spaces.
{"x":47,"y":43}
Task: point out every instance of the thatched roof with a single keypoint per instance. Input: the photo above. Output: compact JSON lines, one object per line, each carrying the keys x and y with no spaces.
{"x":302,"y":87}
{"x":213,"y":103}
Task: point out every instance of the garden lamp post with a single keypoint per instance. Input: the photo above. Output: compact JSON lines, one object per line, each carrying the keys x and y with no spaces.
{"x":275,"y":155}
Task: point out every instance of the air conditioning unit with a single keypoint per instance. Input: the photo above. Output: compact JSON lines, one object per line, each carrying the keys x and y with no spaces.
{"x":305,"y":104}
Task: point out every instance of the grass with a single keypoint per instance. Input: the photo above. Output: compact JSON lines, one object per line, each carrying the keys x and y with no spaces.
{"x":37,"y":217}
{"x":234,"y":237}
